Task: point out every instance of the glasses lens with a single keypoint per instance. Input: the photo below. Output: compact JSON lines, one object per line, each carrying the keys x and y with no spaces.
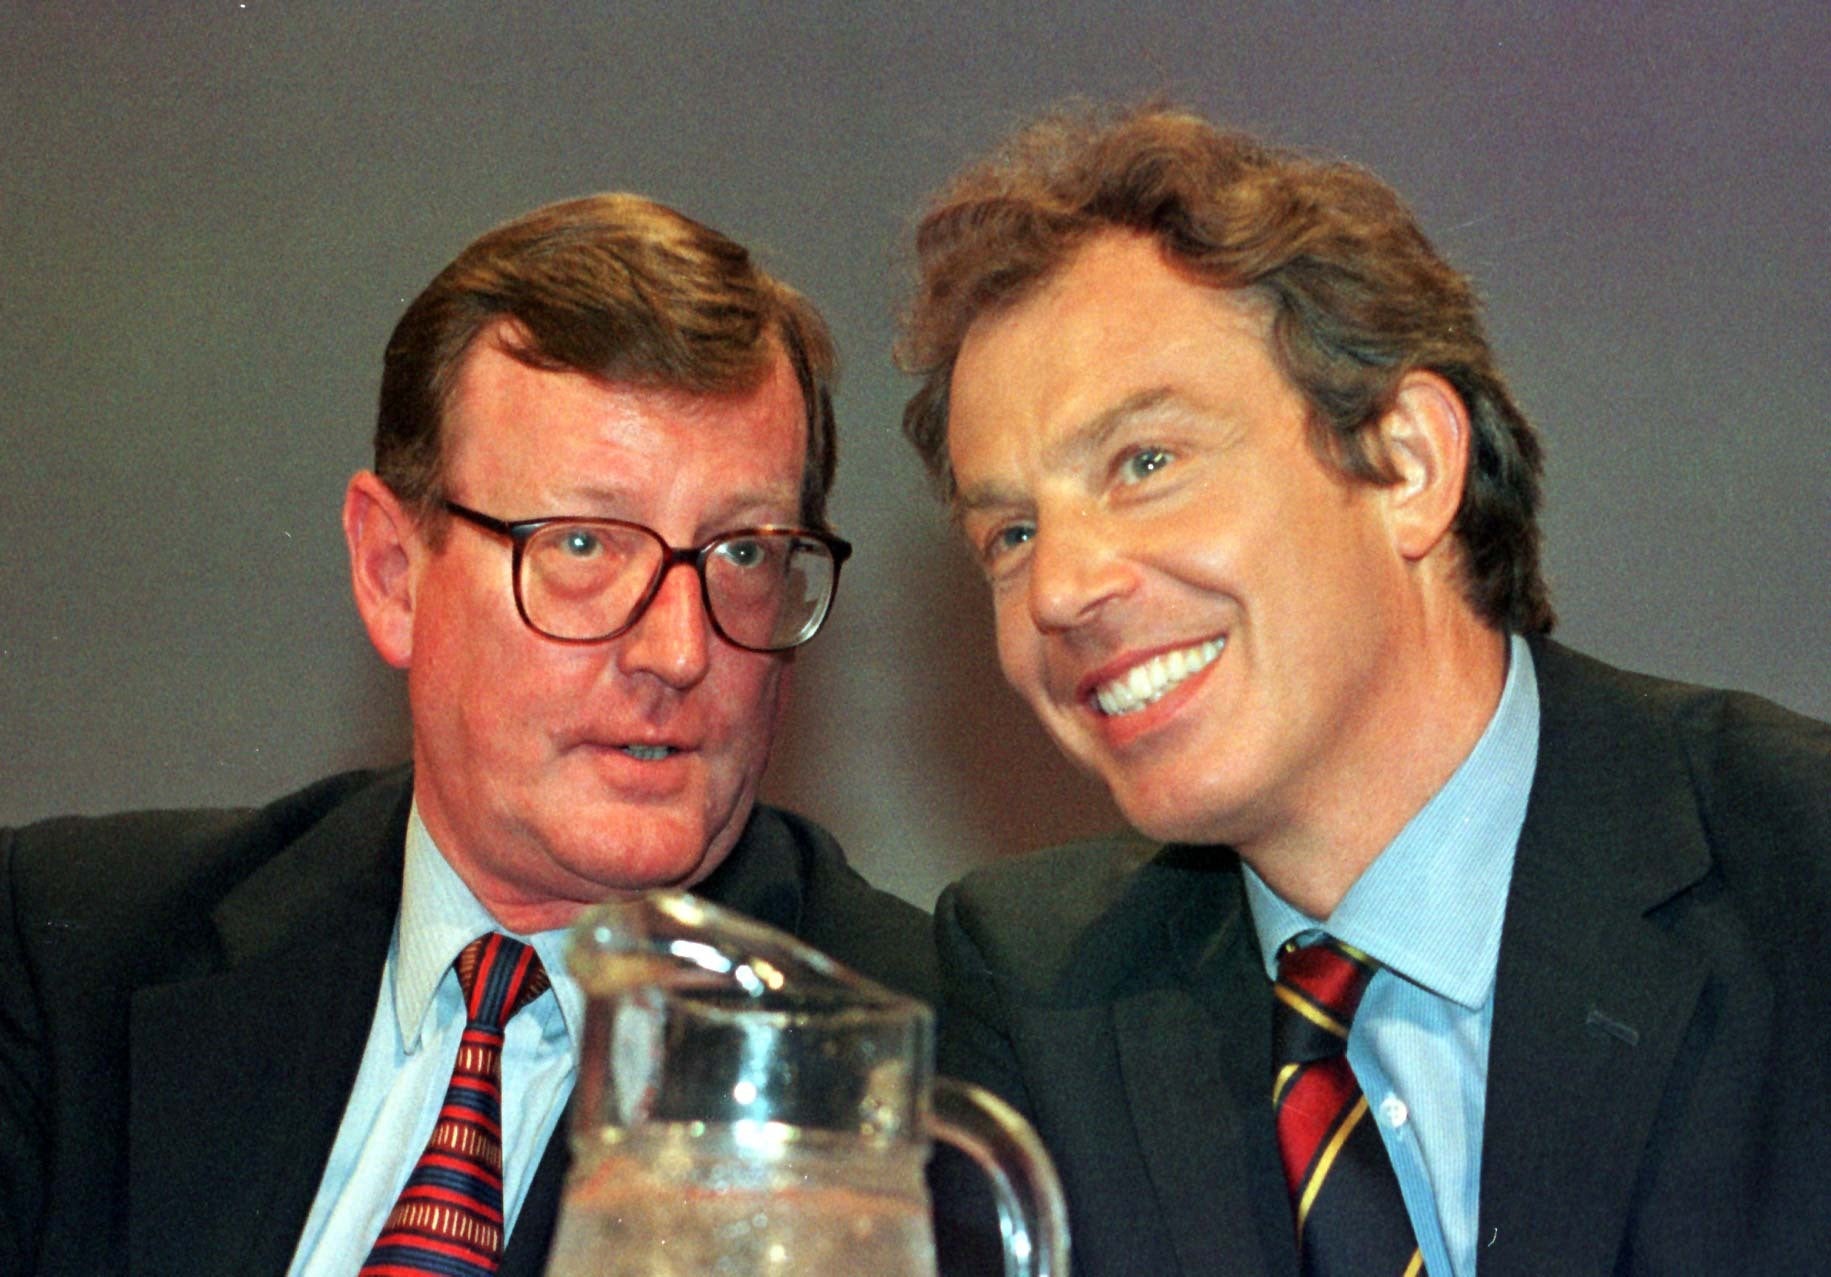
{"x":582,"y":580}
{"x":769,"y":590}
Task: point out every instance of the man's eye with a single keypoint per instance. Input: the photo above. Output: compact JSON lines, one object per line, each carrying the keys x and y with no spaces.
{"x":1141,"y":463}
{"x":1005,"y":539}
{"x":747,"y":553}
{"x":580,"y":543}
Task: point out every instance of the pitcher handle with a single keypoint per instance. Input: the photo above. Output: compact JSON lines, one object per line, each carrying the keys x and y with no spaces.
{"x":1031,"y":1216}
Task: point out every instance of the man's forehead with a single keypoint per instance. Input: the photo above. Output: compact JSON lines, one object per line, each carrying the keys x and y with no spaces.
{"x":498,"y":369}
{"x":572,"y":443}
{"x":1114,"y":272}
{"x":505,"y":338}
{"x":1081,"y":443}
{"x":1102,"y":344}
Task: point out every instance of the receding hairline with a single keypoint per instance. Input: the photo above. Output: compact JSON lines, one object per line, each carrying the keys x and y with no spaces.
{"x":506,"y":336}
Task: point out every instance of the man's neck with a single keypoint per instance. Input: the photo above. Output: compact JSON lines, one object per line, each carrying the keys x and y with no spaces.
{"x":1446,"y":693}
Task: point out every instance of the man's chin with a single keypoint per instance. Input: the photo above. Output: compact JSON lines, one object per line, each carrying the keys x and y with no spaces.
{"x":639,"y":860}
{"x":622,"y":876}
{"x":611,"y":845}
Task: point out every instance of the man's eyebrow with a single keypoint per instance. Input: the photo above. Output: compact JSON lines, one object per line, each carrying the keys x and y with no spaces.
{"x":736,"y":498}
{"x":594,"y":497}
{"x":1092,"y":435}
{"x":984,"y":495}
{"x":760,"y":505}
{"x":760,"y":494}
{"x":739,"y":508}
{"x":1089,"y":438}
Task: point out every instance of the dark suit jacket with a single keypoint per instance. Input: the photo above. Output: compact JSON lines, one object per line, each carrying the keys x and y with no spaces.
{"x":1659,"y":1093}
{"x":185,"y":997}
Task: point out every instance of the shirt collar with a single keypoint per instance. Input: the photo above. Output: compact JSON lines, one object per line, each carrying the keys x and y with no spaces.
{"x":438,"y":917}
{"x":1431,"y":904}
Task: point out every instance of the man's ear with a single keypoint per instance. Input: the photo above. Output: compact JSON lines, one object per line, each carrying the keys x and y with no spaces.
{"x":382,"y":537}
{"x":1426,"y":438}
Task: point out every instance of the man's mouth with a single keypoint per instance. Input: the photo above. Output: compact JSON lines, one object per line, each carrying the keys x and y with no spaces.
{"x":1149,"y":680}
{"x":649,"y":753}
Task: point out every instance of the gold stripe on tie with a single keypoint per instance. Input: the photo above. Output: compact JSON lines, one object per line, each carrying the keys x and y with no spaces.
{"x":1283,"y":1080}
{"x":1309,"y":1010}
{"x":1358,"y":955}
{"x":1327,"y":1159}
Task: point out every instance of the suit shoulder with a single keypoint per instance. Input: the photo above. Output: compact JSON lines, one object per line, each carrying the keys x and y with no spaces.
{"x":875,"y":932}
{"x":1071,"y":883}
{"x":1081,"y":915}
{"x":1746,"y":755}
{"x":1754,"y":778}
{"x":1737,"y":743}
{"x":143,"y":869}
{"x":1763,"y":781}
{"x":1585,"y":688}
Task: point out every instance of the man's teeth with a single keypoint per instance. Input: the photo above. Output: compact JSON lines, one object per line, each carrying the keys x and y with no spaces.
{"x":1142,"y":684}
{"x":648,"y":753}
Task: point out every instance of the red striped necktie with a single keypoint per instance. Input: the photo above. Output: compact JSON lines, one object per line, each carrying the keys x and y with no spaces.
{"x":1350,"y":1215}
{"x":448,"y":1219}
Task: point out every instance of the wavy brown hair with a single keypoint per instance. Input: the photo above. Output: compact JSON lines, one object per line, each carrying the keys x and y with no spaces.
{"x":614,"y":286}
{"x":1358,"y":295}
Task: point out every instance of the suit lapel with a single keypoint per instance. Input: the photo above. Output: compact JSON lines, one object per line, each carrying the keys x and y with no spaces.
{"x":526,"y":1255}
{"x":1195,"y":1055}
{"x":1592,"y":998}
{"x":240,"y":1077}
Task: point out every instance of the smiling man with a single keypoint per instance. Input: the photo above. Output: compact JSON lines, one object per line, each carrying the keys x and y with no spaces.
{"x":1455,"y":951}
{"x":230,"y":1042}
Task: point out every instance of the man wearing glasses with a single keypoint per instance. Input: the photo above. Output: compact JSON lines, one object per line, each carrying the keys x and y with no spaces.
{"x":593,"y":536}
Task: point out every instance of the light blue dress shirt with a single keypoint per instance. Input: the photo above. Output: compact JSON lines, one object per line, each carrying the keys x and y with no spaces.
{"x":1429,"y":910}
{"x":413,"y":1042}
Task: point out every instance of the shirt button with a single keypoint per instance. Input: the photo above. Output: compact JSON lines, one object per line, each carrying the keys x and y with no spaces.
{"x":1393,"y":1109}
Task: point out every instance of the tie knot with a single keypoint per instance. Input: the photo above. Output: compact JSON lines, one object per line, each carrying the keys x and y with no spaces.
{"x":499,"y":976}
{"x":1319,"y":989}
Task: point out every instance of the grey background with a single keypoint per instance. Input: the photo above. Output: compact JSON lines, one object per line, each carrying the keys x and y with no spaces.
{"x":212,"y":213}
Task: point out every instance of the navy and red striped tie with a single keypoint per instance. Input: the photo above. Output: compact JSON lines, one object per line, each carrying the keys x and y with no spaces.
{"x":448,"y":1219}
{"x":1349,"y":1212}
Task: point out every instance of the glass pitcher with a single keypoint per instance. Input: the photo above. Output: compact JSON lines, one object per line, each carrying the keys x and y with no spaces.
{"x":747,"y":1106}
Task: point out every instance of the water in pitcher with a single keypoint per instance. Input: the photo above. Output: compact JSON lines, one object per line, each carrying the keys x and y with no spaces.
{"x":694,"y":1201}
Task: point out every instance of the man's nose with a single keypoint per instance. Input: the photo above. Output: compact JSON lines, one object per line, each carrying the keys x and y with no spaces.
{"x":673,"y":637}
{"x":1076,"y":569}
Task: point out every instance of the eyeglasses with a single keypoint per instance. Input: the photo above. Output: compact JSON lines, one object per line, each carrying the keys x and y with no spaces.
{"x":766,"y":589}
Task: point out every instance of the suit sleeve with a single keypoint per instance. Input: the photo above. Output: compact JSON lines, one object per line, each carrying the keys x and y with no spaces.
{"x":23,"y":1073}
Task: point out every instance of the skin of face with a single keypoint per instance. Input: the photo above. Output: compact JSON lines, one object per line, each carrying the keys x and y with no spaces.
{"x":521,"y":769}
{"x":1137,"y":481}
